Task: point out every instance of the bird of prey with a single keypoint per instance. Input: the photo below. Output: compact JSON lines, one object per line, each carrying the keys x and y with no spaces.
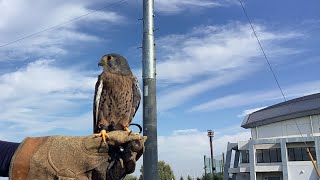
{"x":117,"y":96}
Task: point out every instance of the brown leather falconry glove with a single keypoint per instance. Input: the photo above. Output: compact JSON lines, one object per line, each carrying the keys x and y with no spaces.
{"x":77,"y":157}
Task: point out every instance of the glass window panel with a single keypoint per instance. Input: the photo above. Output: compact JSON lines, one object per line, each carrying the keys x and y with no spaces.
{"x":273,"y":178}
{"x":298,"y":154}
{"x":305,"y":156}
{"x":259,"y":156}
{"x":313,"y":153}
{"x":279,"y":155}
{"x":291,"y":154}
{"x":273,"y":155}
{"x":244,"y":156}
{"x":266,"y":155}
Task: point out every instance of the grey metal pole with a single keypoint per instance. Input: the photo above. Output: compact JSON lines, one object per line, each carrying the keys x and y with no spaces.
{"x":150,"y":156}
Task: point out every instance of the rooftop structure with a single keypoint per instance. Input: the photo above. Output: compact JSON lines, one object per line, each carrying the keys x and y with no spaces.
{"x":280,"y":135}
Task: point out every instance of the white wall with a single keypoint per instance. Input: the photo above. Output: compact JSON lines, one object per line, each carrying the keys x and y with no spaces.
{"x":298,"y":170}
{"x":308,"y":127}
{"x":243,"y":145}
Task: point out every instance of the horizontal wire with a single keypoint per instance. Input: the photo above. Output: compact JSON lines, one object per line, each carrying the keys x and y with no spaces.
{"x":61,"y":24}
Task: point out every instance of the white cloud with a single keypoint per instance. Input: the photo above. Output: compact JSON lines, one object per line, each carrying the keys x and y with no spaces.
{"x":21,"y":18}
{"x":247,"y":98}
{"x":184,"y":131}
{"x":210,"y":57}
{"x":184,"y":152}
{"x":249,"y":111}
{"x":184,"y":149}
{"x":209,"y":50}
{"x":173,"y":97}
{"x":42,"y":97}
{"x":177,"y":6}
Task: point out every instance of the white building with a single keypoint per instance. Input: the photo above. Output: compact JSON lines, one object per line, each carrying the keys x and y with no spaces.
{"x":279,"y":137}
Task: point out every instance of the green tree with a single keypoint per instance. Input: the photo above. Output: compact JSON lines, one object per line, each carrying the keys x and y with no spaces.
{"x":164,"y":171}
{"x":181,"y":178}
{"x":130,"y":177}
{"x":216,"y":176}
{"x":189,"y":177}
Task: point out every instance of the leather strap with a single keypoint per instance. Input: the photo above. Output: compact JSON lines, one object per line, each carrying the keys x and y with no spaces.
{"x":20,"y":164}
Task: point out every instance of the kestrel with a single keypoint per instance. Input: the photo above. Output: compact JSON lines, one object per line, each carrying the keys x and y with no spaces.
{"x":117,"y":96}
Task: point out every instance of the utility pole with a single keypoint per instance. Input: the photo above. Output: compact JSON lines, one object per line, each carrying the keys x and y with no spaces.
{"x":150,"y":155}
{"x":205,"y":166}
{"x":222,"y":163}
{"x":210,"y":135}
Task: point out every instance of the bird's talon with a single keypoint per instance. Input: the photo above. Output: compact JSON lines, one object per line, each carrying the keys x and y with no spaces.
{"x":126,"y":129}
{"x":103,"y":134}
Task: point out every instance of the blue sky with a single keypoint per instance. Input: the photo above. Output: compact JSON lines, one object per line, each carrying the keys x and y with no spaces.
{"x":210,"y":69}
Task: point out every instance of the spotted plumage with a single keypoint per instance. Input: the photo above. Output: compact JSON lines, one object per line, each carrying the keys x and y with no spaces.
{"x":117,"y":95}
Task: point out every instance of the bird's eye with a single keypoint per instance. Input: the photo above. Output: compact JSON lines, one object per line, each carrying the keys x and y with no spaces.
{"x":109,"y":57}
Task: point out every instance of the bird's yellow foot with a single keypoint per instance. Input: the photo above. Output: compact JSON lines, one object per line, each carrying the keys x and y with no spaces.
{"x":126,"y":129}
{"x":103,"y":134}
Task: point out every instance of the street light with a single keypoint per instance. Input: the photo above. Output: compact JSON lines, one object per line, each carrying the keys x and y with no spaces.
{"x":211,"y":135}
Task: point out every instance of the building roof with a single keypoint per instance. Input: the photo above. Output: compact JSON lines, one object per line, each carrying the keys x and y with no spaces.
{"x":295,"y":108}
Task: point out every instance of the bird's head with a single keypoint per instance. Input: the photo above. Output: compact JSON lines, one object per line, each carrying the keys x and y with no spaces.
{"x":115,"y":63}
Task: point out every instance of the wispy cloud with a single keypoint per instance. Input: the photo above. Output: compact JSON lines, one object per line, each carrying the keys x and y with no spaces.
{"x":249,"y":111}
{"x":173,"y":97}
{"x":210,"y":57}
{"x":209,"y":50}
{"x":43,"y":15}
{"x":177,"y":6}
{"x":42,"y":97}
{"x":262,"y":97}
{"x":184,"y":131}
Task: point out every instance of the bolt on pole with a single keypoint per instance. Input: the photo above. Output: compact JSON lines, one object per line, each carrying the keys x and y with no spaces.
{"x":150,"y":156}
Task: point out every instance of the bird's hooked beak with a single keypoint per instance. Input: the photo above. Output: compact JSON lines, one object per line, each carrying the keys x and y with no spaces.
{"x":104,"y":60}
{"x":100,"y":63}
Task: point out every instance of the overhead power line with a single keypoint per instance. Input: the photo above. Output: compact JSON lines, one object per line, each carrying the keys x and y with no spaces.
{"x":62,"y":24}
{"x":275,"y":77}
{"x":265,"y":56}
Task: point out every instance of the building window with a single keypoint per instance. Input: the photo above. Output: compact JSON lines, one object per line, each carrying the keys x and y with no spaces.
{"x":313,"y":153}
{"x":273,"y":178}
{"x":300,"y":154}
{"x":244,"y":156}
{"x":275,"y":155}
{"x":259,"y":155}
{"x":268,"y":155}
{"x":291,"y":154}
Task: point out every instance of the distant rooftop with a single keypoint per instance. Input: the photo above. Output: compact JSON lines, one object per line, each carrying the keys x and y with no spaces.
{"x":295,"y":108}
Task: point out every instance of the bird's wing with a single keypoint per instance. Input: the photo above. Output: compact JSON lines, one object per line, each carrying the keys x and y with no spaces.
{"x":96,"y":102}
{"x":136,"y":96}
